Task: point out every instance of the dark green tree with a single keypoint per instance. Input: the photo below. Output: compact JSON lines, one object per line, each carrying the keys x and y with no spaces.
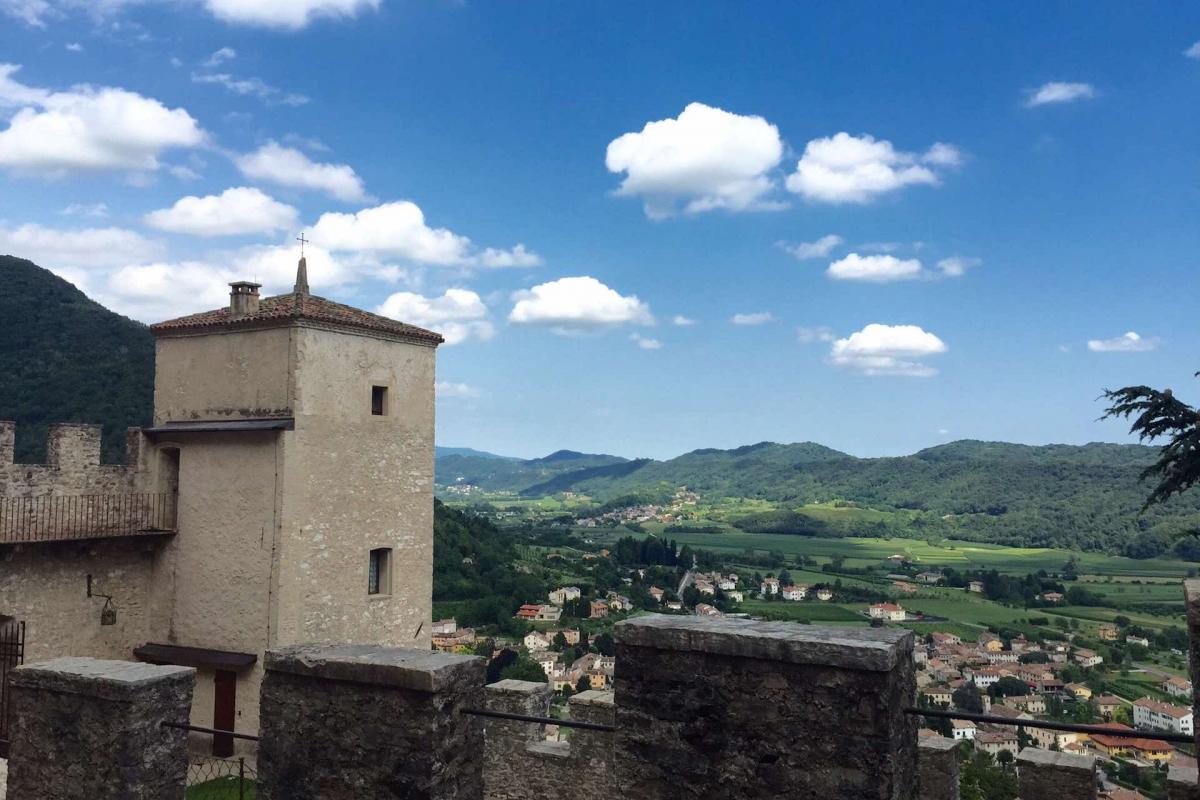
{"x":1157,"y":414}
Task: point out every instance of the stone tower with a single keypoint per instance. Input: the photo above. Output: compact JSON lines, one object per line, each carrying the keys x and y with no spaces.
{"x":300,"y":432}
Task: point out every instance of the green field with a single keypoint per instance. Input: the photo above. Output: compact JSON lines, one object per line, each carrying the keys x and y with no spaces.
{"x":827,"y":613}
{"x":958,"y":554}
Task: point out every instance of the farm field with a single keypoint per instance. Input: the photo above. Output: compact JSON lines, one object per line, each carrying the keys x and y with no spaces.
{"x":814,"y":612}
{"x":952,"y":553}
{"x":1106,"y":614}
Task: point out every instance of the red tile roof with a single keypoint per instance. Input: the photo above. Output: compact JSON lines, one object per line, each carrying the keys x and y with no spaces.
{"x":1133,"y":743}
{"x":283,"y":309}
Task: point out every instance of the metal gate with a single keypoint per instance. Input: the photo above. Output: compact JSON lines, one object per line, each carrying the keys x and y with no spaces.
{"x":12,"y":653}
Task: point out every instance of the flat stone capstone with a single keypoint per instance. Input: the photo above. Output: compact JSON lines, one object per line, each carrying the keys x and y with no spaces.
{"x":872,"y":649}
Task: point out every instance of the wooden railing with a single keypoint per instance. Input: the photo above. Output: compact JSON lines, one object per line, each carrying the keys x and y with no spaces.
{"x":91,"y":516}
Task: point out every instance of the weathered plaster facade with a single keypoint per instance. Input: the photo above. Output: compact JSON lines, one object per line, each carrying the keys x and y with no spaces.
{"x":282,"y":482}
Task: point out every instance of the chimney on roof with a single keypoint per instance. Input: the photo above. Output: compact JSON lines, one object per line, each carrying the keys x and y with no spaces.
{"x":243,"y":298}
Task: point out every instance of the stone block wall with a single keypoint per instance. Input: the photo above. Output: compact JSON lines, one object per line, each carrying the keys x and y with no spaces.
{"x":1050,"y":775}
{"x":726,"y":708}
{"x":72,"y":464}
{"x":519,"y":764}
{"x":371,"y":723}
{"x":88,"y":729}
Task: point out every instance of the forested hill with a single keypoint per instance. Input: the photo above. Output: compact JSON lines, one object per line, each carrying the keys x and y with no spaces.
{"x":1084,"y":496}
{"x":66,"y":358}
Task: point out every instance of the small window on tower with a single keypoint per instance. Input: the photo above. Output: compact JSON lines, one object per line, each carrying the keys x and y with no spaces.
{"x":379,"y":573}
{"x":379,"y":401}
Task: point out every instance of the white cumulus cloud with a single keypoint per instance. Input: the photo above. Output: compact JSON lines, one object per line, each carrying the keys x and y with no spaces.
{"x":1059,"y":92}
{"x":220,"y":57}
{"x":874,"y":268}
{"x":957,"y":266}
{"x":1128,"y":342}
{"x":576,"y":305}
{"x":31,"y":12}
{"x":287,"y":166}
{"x":681,"y":321}
{"x":88,"y":129}
{"x":1193,"y":51}
{"x":644,"y":342}
{"x":887,"y":350}
{"x":857,"y":169}
{"x":821,"y":248}
{"x":399,"y":230}
{"x":233,"y":212}
{"x":754,"y":318}
{"x":55,"y":248}
{"x":459,"y":314}
{"x":706,"y":158}
{"x":285,"y":14}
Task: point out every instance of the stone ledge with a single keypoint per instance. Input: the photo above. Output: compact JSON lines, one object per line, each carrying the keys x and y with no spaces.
{"x":122,"y":681}
{"x":1036,"y":757}
{"x":593,"y":697}
{"x":1183,"y":777}
{"x":870,"y":649}
{"x":938,"y":744}
{"x":396,"y":667}
{"x":548,"y":749}
{"x":514,"y":686}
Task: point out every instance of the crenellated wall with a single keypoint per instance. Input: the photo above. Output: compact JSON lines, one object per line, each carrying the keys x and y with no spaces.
{"x":374,"y":722}
{"x":44,"y":581}
{"x":519,"y":763}
{"x":73,"y":465}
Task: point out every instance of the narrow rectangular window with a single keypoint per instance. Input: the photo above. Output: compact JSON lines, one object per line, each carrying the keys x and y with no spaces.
{"x":379,"y":401}
{"x":379,"y":571}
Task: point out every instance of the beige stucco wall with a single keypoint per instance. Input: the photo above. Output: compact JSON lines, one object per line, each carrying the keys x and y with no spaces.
{"x":46,"y":586}
{"x":354,"y":482}
{"x":241,"y":375}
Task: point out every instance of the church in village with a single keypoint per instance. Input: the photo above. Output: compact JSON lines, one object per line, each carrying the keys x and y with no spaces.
{"x":283,"y":494}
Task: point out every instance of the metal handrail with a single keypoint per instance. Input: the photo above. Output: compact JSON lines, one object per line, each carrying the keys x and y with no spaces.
{"x":1069,"y":727}
{"x":563,"y":723}
{"x":216,"y":731}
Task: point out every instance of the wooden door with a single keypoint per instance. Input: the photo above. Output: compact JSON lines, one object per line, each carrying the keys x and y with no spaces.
{"x":224,"y":711}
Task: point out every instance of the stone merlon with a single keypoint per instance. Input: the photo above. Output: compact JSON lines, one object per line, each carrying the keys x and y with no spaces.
{"x":870,"y":649}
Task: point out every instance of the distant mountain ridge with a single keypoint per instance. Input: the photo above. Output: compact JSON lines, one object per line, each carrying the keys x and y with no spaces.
{"x":1081,"y":496}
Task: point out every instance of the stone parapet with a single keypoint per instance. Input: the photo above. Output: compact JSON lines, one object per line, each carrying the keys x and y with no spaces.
{"x":727,"y":708}
{"x":370,"y":722}
{"x":1191,"y":596}
{"x":1182,"y":783}
{"x":939,"y":768}
{"x":89,"y":729}
{"x":1050,"y":775}
{"x":518,"y":761}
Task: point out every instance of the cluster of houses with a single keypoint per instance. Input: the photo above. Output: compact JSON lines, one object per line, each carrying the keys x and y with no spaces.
{"x":681,"y":507}
{"x":450,"y":638}
{"x":596,"y":668}
{"x":950,"y":663}
{"x":795,"y":592}
{"x":552,"y":611}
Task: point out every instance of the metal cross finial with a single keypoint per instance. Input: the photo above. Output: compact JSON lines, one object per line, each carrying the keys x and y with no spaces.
{"x":302,"y":242}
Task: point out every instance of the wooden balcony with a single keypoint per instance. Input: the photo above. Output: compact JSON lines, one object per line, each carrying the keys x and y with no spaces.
{"x":62,"y":518}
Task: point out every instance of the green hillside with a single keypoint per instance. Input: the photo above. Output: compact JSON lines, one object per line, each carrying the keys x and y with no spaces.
{"x":65,"y":358}
{"x":1078,"y":497}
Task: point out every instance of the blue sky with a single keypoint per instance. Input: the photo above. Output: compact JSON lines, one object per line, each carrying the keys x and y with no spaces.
{"x":931,"y":221}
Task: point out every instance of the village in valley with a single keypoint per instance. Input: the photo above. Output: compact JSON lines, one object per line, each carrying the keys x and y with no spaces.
{"x":1059,"y":644}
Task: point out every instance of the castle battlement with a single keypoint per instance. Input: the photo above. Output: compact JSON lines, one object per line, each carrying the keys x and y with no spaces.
{"x":72,"y":463}
{"x":714,"y":708}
